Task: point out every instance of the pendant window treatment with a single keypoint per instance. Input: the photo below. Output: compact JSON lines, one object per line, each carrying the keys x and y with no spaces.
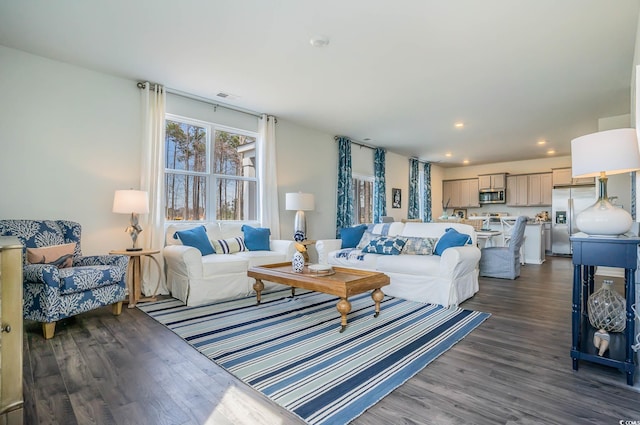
{"x":269,"y":212}
{"x":379,"y":185}
{"x":152,"y":181}
{"x":344,"y":210}
{"x":426,"y":193}
{"x":413,"y":210}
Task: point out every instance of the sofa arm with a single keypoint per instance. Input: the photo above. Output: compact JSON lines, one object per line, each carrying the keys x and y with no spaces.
{"x":458,"y":261}
{"x":325,"y":246}
{"x":286,"y":247}
{"x":183,"y":260}
{"x":46,"y":274}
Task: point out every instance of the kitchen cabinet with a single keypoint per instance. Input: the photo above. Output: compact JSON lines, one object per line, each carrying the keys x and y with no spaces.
{"x":492,"y":181}
{"x":517,"y":190}
{"x":540,"y":188}
{"x":562,"y":177}
{"x":529,"y":190}
{"x":460,"y":193}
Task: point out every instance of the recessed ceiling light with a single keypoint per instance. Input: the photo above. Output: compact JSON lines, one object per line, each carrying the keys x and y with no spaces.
{"x":542,"y":142}
{"x":448,"y":154}
{"x":466,"y":161}
{"x":551,"y":152}
{"x":459,"y":124}
{"x":319,"y":41}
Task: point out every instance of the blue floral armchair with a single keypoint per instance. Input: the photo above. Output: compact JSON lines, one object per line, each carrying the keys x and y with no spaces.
{"x":52,"y":293}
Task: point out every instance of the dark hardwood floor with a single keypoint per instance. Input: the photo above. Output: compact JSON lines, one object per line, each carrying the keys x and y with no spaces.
{"x":514,"y":369}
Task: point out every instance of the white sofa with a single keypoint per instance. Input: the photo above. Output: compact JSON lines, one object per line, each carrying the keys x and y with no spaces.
{"x":196,"y":279}
{"x":447,"y":280}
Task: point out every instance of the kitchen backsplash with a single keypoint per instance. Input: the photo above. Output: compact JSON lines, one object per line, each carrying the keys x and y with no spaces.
{"x":512,"y":211}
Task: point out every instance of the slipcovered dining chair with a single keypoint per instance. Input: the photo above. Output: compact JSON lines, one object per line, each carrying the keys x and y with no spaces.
{"x":59,"y":281}
{"x":504,"y":262}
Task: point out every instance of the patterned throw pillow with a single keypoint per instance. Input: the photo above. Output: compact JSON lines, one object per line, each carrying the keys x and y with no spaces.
{"x":419,"y":246}
{"x":385,"y":245}
{"x":60,"y":256}
{"x":229,"y":246}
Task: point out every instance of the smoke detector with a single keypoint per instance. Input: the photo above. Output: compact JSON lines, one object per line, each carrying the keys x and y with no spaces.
{"x":319,"y":41}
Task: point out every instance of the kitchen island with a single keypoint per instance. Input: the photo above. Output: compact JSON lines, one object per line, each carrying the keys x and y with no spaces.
{"x":534,"y":242}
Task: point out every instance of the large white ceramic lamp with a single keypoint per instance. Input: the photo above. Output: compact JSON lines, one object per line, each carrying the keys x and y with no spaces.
{"x":300,"y":202}
{"x":596,"y":155}
{"x":132,"y":202}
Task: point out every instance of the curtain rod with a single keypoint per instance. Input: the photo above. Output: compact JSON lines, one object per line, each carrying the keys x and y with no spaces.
{"x":141,"y":85}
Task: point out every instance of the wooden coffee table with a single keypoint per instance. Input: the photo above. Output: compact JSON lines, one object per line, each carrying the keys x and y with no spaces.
{"x":343,"y":283}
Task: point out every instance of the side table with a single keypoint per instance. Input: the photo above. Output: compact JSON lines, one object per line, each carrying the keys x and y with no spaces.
{"x":589,"y":252}
{"x":134,"y":274}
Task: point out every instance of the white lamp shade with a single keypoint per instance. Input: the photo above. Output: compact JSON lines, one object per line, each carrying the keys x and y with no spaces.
{"x":299,"y":201}
{"x":131,"y":201}
{"x":612,"y":151}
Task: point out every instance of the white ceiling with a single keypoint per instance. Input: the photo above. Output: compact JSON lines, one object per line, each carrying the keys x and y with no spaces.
{"x":398,"y":73}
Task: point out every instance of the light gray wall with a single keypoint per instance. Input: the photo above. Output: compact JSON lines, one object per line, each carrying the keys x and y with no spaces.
{"x":69,"y":138}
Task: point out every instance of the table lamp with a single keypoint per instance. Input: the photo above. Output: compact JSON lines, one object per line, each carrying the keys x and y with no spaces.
{"x":300,"y":202}
{"x":132,"y":202}
{"x":598,"y":154}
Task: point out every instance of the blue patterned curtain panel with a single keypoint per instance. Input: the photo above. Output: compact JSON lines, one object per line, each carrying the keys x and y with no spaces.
{"x":379,"y":185}
{"x":414,"y":194}
{"x":426,"y":193}
{"x":345,"y":185}
{"x":633,"y":195}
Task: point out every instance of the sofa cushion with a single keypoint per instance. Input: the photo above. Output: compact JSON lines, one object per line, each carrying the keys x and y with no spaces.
{"x":418,"y":265}
{"x":256,"y":238}
{"x":259,"y":258}
{"x":450,"y":239}
{"x":350,"y":236}
{"x":419,"y":246}
{"x":213,"y":231}
{"x":219,"y":264}
{"x":229,"y":246}
{"x":353,"y":257}
{"x":60,"y":256}
{"x":197,"y":238}
{"x":385,"y":245}
{"x":80,"y":279}
{"x":380,"y":229}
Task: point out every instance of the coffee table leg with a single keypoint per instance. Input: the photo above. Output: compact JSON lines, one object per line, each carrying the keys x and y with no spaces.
{"x":377,"y":296}
{"x":293,"y":292}
{"x":258,"y":287}
{"x":344,"y":307}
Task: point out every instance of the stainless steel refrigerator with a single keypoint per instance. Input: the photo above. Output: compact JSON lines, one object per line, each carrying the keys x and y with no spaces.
{"x":567,"y":203}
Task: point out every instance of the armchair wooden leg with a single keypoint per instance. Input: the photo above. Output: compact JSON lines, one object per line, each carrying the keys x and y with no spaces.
{"x":48,"y":329}
{"x":116,"y":308}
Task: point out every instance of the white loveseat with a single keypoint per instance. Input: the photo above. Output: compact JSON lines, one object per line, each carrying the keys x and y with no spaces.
{"x":197,"y":279}
{"x":447,"y":280}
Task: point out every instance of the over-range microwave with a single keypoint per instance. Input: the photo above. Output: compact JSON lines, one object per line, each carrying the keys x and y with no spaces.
{"x":492,"y":196}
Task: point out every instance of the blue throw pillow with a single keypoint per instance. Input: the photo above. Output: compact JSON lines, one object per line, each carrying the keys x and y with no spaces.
{"x":197,"y":238}
{"x":256,"y":238}
{"x":450,"y":239}
{"x":350,"y":236}
{"x":385,"y":245}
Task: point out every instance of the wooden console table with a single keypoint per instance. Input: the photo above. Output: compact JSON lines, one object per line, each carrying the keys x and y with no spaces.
{"x":134,"y":274}
{"x":589,"y":252}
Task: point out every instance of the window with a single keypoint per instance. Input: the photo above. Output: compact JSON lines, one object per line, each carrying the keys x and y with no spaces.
{"x":362,"y":199}
{"x":209,"y":168}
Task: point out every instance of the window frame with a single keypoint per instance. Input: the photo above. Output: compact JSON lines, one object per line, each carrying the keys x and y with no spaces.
{"x":356,"y":202}
{"x":211,"y":178}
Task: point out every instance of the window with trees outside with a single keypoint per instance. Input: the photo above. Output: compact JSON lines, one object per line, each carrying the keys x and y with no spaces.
{"x":210,"y":172}
{"x":362,"y":199}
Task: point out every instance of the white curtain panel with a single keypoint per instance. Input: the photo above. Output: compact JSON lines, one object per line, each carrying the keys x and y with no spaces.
{"x":152,"y":180}
{"x":269,"y":211}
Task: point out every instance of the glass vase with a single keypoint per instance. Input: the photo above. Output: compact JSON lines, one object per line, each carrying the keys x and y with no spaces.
{"x":607,"y":309}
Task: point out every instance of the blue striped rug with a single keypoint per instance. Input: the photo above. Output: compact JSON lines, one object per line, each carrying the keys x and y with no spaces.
{"x":290,"y":348}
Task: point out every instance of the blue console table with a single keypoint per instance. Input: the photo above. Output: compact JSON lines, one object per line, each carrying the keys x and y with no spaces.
{"x":589,"y":252}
